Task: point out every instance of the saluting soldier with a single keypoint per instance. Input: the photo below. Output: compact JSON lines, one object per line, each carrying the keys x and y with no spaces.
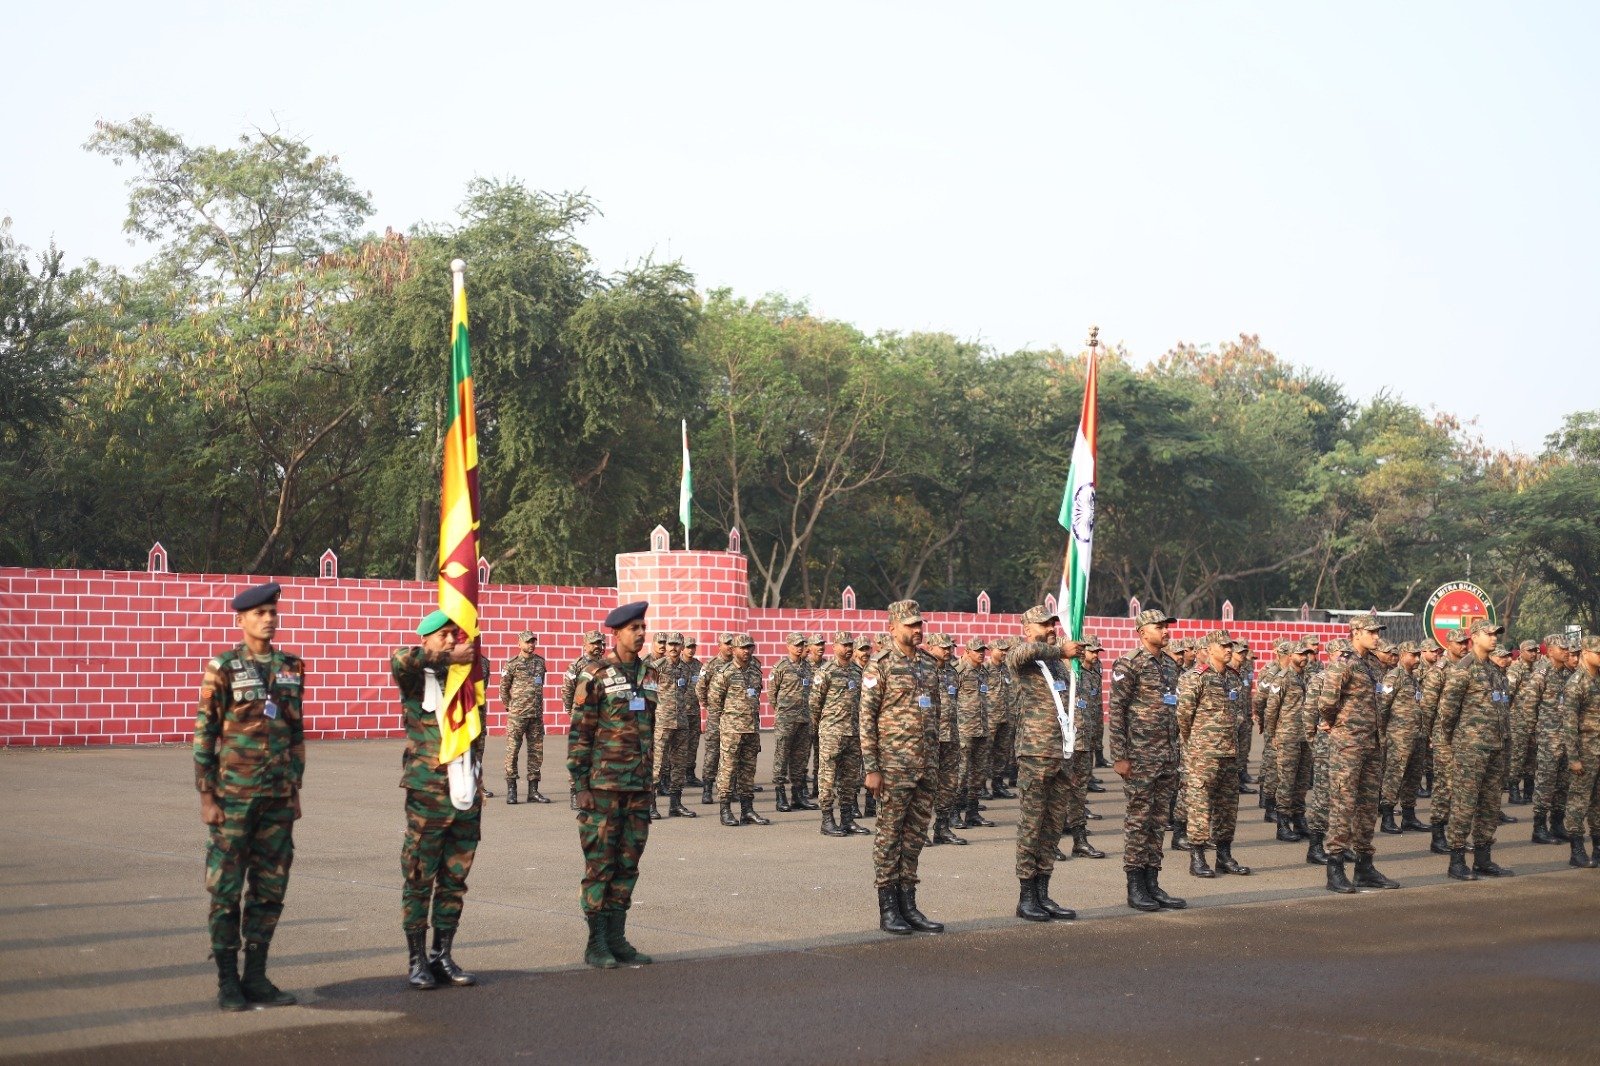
{"x":522,"y":692}
{"x":249,"y":759}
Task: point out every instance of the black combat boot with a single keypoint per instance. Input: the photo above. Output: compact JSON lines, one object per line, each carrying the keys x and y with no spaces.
{"x":534,"y":795}
{"x":597,"y":952}
{"x":1367,"y":875}
{"x":999,"y":789}
{"x":617,"y":940}
{"x":890,"y":920}
{"x":230,"y":997}
{"x":727,"y":814}
{"x":1579,"y":858}
{"x":1139,"y":897}
{"x":706,"y":799}
{"x":915,"y":918}
{"x":1286,"y":831}
{"x":1315,"y":855}
{"x":1060,"y":855}
{"x":254,"y":983}
{"x":976,"y":820}
{"x":655,"y":810}
{"x":421,"y":976}
{"x":511,"y":792}
{"x":1541,"y":830}
{"x":1244,"y":787}
{"x":677,"y":810}
{"x":1558,"y":823}
{"x":1095,"y":786}
{"x":942,"y":834}
{"x":782,"y":794}
{"x":829,"y":829}
{"x":691,"y":781}
{"x":1028,"y":901}
{"x":1152,"y":881}
{"x":1458,"y":865}
{"x":1514,"y":794}
{"x":1388,"y":824}
{"x":1527,"y":789}
{"x":871,"y":810}
{"x":798,"y":799}
{"x":1483,"y":863}
{"x":661,"y":784}
{"x":1269,"y":810}
{"x":748,"y":815}
{"x":1041,"y":892}
{"x":1437,"y":845}
{"x":444,"y":968}
{"x":1507,"y":819}
{"x":1180,"y":838}
{"x":1226,"y":864}
{"x":1198,"y":867}
{"x":1410,"y":822}
{"x":847,"y":821}
{"x":958,"y":816}
{"x":1337,"y":881}
{"x":1082,"y":847}
{"x":984,"y":791}
{"x":1301,"y":827}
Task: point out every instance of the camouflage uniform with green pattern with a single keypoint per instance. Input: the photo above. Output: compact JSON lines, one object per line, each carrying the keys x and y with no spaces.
{"x":611,"y":756}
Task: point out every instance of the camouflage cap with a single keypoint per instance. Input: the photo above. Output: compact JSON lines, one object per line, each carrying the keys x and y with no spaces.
{"x":1409,"y":647}
{"x":863,"y":644}
{"x":1388,"y":647}
{"x":743,"y":640}
{"x":1528,"y":645}
{"x":1483,"y":625}
{"x":1092,"y":642}
{"x":1311,"y":639}
{"x":940,"y":640}
{"x":528,"y":634}
{"x":1284,"y":647}
{"x":1002,"y":643}
{"x":661,"y":638}
{"x":1573,"y":642}
{"x":1429,"y":644}
{"x":1152,"y":617}
{"x":1554,"y":638}
{"x":691,"y":642}
{"x":977,"y":644}
{"x":798,"y":640}
{"x":1457,"y":636}
{"x":1245,"y":644}
{"x":1220,"y":636}
{"x":1339,"y":646}
{"x":726,"y":638}
{"x":881,"y":640}
{"x":1502,"y":650}
{"x":1590,"y":643}
{"x":675,"y":638}
{"x":594,"y":636}
{"x":1368,"y":622}
{"x":841,"y":637}
{"x":906,"y":612}
{"x":1038,"y":616}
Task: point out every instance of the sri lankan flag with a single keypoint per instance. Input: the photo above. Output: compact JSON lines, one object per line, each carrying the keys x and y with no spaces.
{"x":458,"y":538}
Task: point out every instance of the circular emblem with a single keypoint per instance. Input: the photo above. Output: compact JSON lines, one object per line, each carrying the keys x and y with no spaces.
{"x":1083,"y":513}
{"x":1453,"y":607}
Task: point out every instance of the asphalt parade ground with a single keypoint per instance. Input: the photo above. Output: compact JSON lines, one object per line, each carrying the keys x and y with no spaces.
{"x":765,"y":940}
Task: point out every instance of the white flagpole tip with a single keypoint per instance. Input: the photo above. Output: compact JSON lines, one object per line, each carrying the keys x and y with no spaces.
{"x":458,"y":266}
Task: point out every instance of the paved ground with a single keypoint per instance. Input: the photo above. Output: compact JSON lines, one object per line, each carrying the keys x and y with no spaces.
{"x":766,"y":943}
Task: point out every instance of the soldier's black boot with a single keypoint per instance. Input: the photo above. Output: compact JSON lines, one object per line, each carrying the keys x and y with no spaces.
{"x":1100,"y":761}
{"x":941,"y":831}
{"x":661,"y":784}
{"x":1580,"y":859}
{"x":1388,"y":824}
{"x":1226,"y":864}
{"x":799,"y":800}
{"x":1041,"y":892}
{"x":748,"y":815}
{"x":1315,"y":855}
{"x":1061,"y":856}
{"x":783,"y":804}
{"x":1198,"y":867}
{"x":727,"y":814}
{"x":976,"y":820}
{"x":706,"y":799}
{"x":421,"y":976}
{"x":1337,"y":881}
{"x":915,"y":918}
{"x":1483,"y":863}
{"x":1028,"y":901}
{"x":847,"y":811}
{"x":1269,"y":810}
{"x":691,"y":781}
{"x":1410,"y":822}
{"x":872,"y":806}
{"x":572,"y":800}
{"x":1139,"y":897}
{"x":254,"y":983}
{"x":1437,"y":845}
{"x":1541,"y":831}
{"x":829,"y":829}
{"x":958,"y":816}
{"x":1514,"y":795}
{"x":1245,"y":789}
{"x":890,"y":920}
{"x":999,"y":789}
{"x":1095,"y":786}
{"x":1286,"y":831}
{"x":1558,"y":823}
{"x":676,"y":809}
{"x":1301,"y":827}
{"x":1527,"y":789}
{"x":655,"y":810}
{"x":1458,"y":866}
{"x":230,"y":997}
{"x":597,"y":952}
{"x":1507,"y":819}
{"x":444,"y":968}
{"x":617,"y":940}
{"x":1082,"y":847}
{"x":511,"y":792}
{"x":534,"y":795}
{"x":1367,"y":875}
{"x":1152,"y":881}
{"x":1180,"y":838}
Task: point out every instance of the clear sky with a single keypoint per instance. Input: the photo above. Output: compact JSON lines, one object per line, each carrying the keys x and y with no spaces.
{"x":1406,"y":195}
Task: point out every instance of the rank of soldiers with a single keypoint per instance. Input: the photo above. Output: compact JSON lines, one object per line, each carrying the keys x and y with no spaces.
{"x":926,"y":730}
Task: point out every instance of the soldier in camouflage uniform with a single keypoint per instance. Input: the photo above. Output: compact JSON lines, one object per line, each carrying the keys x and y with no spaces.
{"x":522,"y":692}
{"x":1439,"y":788}
{"x":1244,"y":664}
{"x":1552,"y":776}
{"x":611,"y":763}
{"x":1400,"y":702}
{"x":1475,"y":722}
{"x":1208,"y":724}
{"x":593,"y":648}
{"x":249,"y":759}
{"x":1002,"y":708}
{"x":1091,"y":706}
{"x":690,"y":692}
{"x":973,"y":689}
{"x":899,"y":751}
{"x":835,"y":707}
{"x":863,"y":656}
{"x":441,"y":839}
{"x":1143,"y":732}
{"x":734,"y":697}
{"x":815,"y":654}
{"x":1182,"y":653}
{"x":672,"y":725}
{"x":1580,"y":711}
{"x":1347,"y":703}
{"x":947,"y":765}
{"x":1286,"y":716}
{"x":1267,"y":799}
{"x":723,"y":659}
{"x":1519,"y":761}
{"x":1317,"y":797}
{"x":791,"y":746}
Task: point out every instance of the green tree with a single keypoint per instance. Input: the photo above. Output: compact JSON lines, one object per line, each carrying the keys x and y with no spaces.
{"x":1553,"y":515}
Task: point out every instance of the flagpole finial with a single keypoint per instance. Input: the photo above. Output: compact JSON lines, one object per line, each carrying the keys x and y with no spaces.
{"x":458,"y":266}
{"x":1094,"y":334}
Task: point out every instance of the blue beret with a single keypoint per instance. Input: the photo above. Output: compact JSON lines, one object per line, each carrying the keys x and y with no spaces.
{"x":628,"y":612}
{"x":434,"y":622}
{"x":255,"y":597}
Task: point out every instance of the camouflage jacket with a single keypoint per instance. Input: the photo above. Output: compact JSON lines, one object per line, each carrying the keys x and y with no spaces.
{"x":1143,"y":725}
{"x":613,"y":727}
{"x":1473,"y":708}
{"x":836,"y":699}
{"x":1516,"y":674}
{"x":1258,"y":695}
{"x":672,"y":684}
{"x":1208,"y":715}
{"x":1526,"y":699}
{"x":1283,"y":714}
{"x":1091,"y":697}
{"x":972,"y":700}
{"x":419,"y":763}
{"x":735,"y":698}
{"x":1399,"y":698}
{"x":522,"y":686}
{"x":1552,"y":718}
{"x":791,"y":689}
{"x":949,"y":713}
{"x":1038,"y":728}
{"x":1247,"y":690}
{"x":569,"y":681}
{"x":1580,"y":711}
{"x":693,"y":669}
{"x":899,"y":712}
{"x":713,"y":667}
{"x":1432,"y":686}
{"x":241,"y":751}
{"x":1347,"y":700}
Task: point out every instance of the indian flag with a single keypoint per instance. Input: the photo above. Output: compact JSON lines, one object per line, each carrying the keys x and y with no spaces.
{"x":685,"y":488}
{"x":1077,"y":511}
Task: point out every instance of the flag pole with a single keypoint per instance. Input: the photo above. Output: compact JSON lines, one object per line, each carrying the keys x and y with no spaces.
{"x":1074,"y":616}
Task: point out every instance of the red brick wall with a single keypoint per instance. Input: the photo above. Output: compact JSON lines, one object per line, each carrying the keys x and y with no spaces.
{"x":112,"y":657}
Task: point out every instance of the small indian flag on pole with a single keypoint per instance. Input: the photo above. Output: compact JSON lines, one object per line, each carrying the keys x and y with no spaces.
{"x":685,"y":488}
{"x":1077,"y":518}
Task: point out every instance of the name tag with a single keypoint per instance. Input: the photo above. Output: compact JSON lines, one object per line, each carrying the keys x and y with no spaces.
{"x":291,"y":680}
{"x":924,"y":702}
{"x":270,"y":710}
{"x":636,"y":703}
{"x":1170,"y":699}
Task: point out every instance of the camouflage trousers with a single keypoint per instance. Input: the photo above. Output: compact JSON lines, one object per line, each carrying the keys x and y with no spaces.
{"x":672,"y":757}
{"x":1521,"y":757}
{"x":1551,"y":778}
{"x":713,"y":739}
{"x":691,"y":744}
{"x":612,"y":836}
{"x":905,"y":806}
{"x":1317,"y":796}
{"x":435,"y":859}
{"x":1353,"y":770}
{"x":249,"y":856}
{"x":736,"y":766}
{"x":816,"y":753}
{"x":1583,"y":799}
{"x":1180,"y":795}
{"x":1475,"y":777}
{"x":1269,"y":770}
{"x":1439,"y":803}
{"x":1241,"y":736}
{"x":839,"y":770}
{"x":1149,"y":801}
{"x":1079,"y":769}
{"x":1294,"y":774}
{"x":947,"y":777}
{"x":974,"y":767}
{"x":1213,"y":799}
{"x":1402,"y":763}
{"x":531,"y":729}
{"x":1043,"y":785}
{"x":1001,"y":746}
{"x":791,"y":747}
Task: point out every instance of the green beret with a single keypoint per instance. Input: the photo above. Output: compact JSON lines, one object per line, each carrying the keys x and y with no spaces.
{"x":434,"y":622}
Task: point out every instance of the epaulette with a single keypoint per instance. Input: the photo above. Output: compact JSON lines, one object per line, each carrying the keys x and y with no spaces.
{"x":879,"y":654}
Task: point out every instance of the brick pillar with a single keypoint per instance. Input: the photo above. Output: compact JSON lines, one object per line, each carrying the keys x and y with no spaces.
{"x":696,"y":592}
